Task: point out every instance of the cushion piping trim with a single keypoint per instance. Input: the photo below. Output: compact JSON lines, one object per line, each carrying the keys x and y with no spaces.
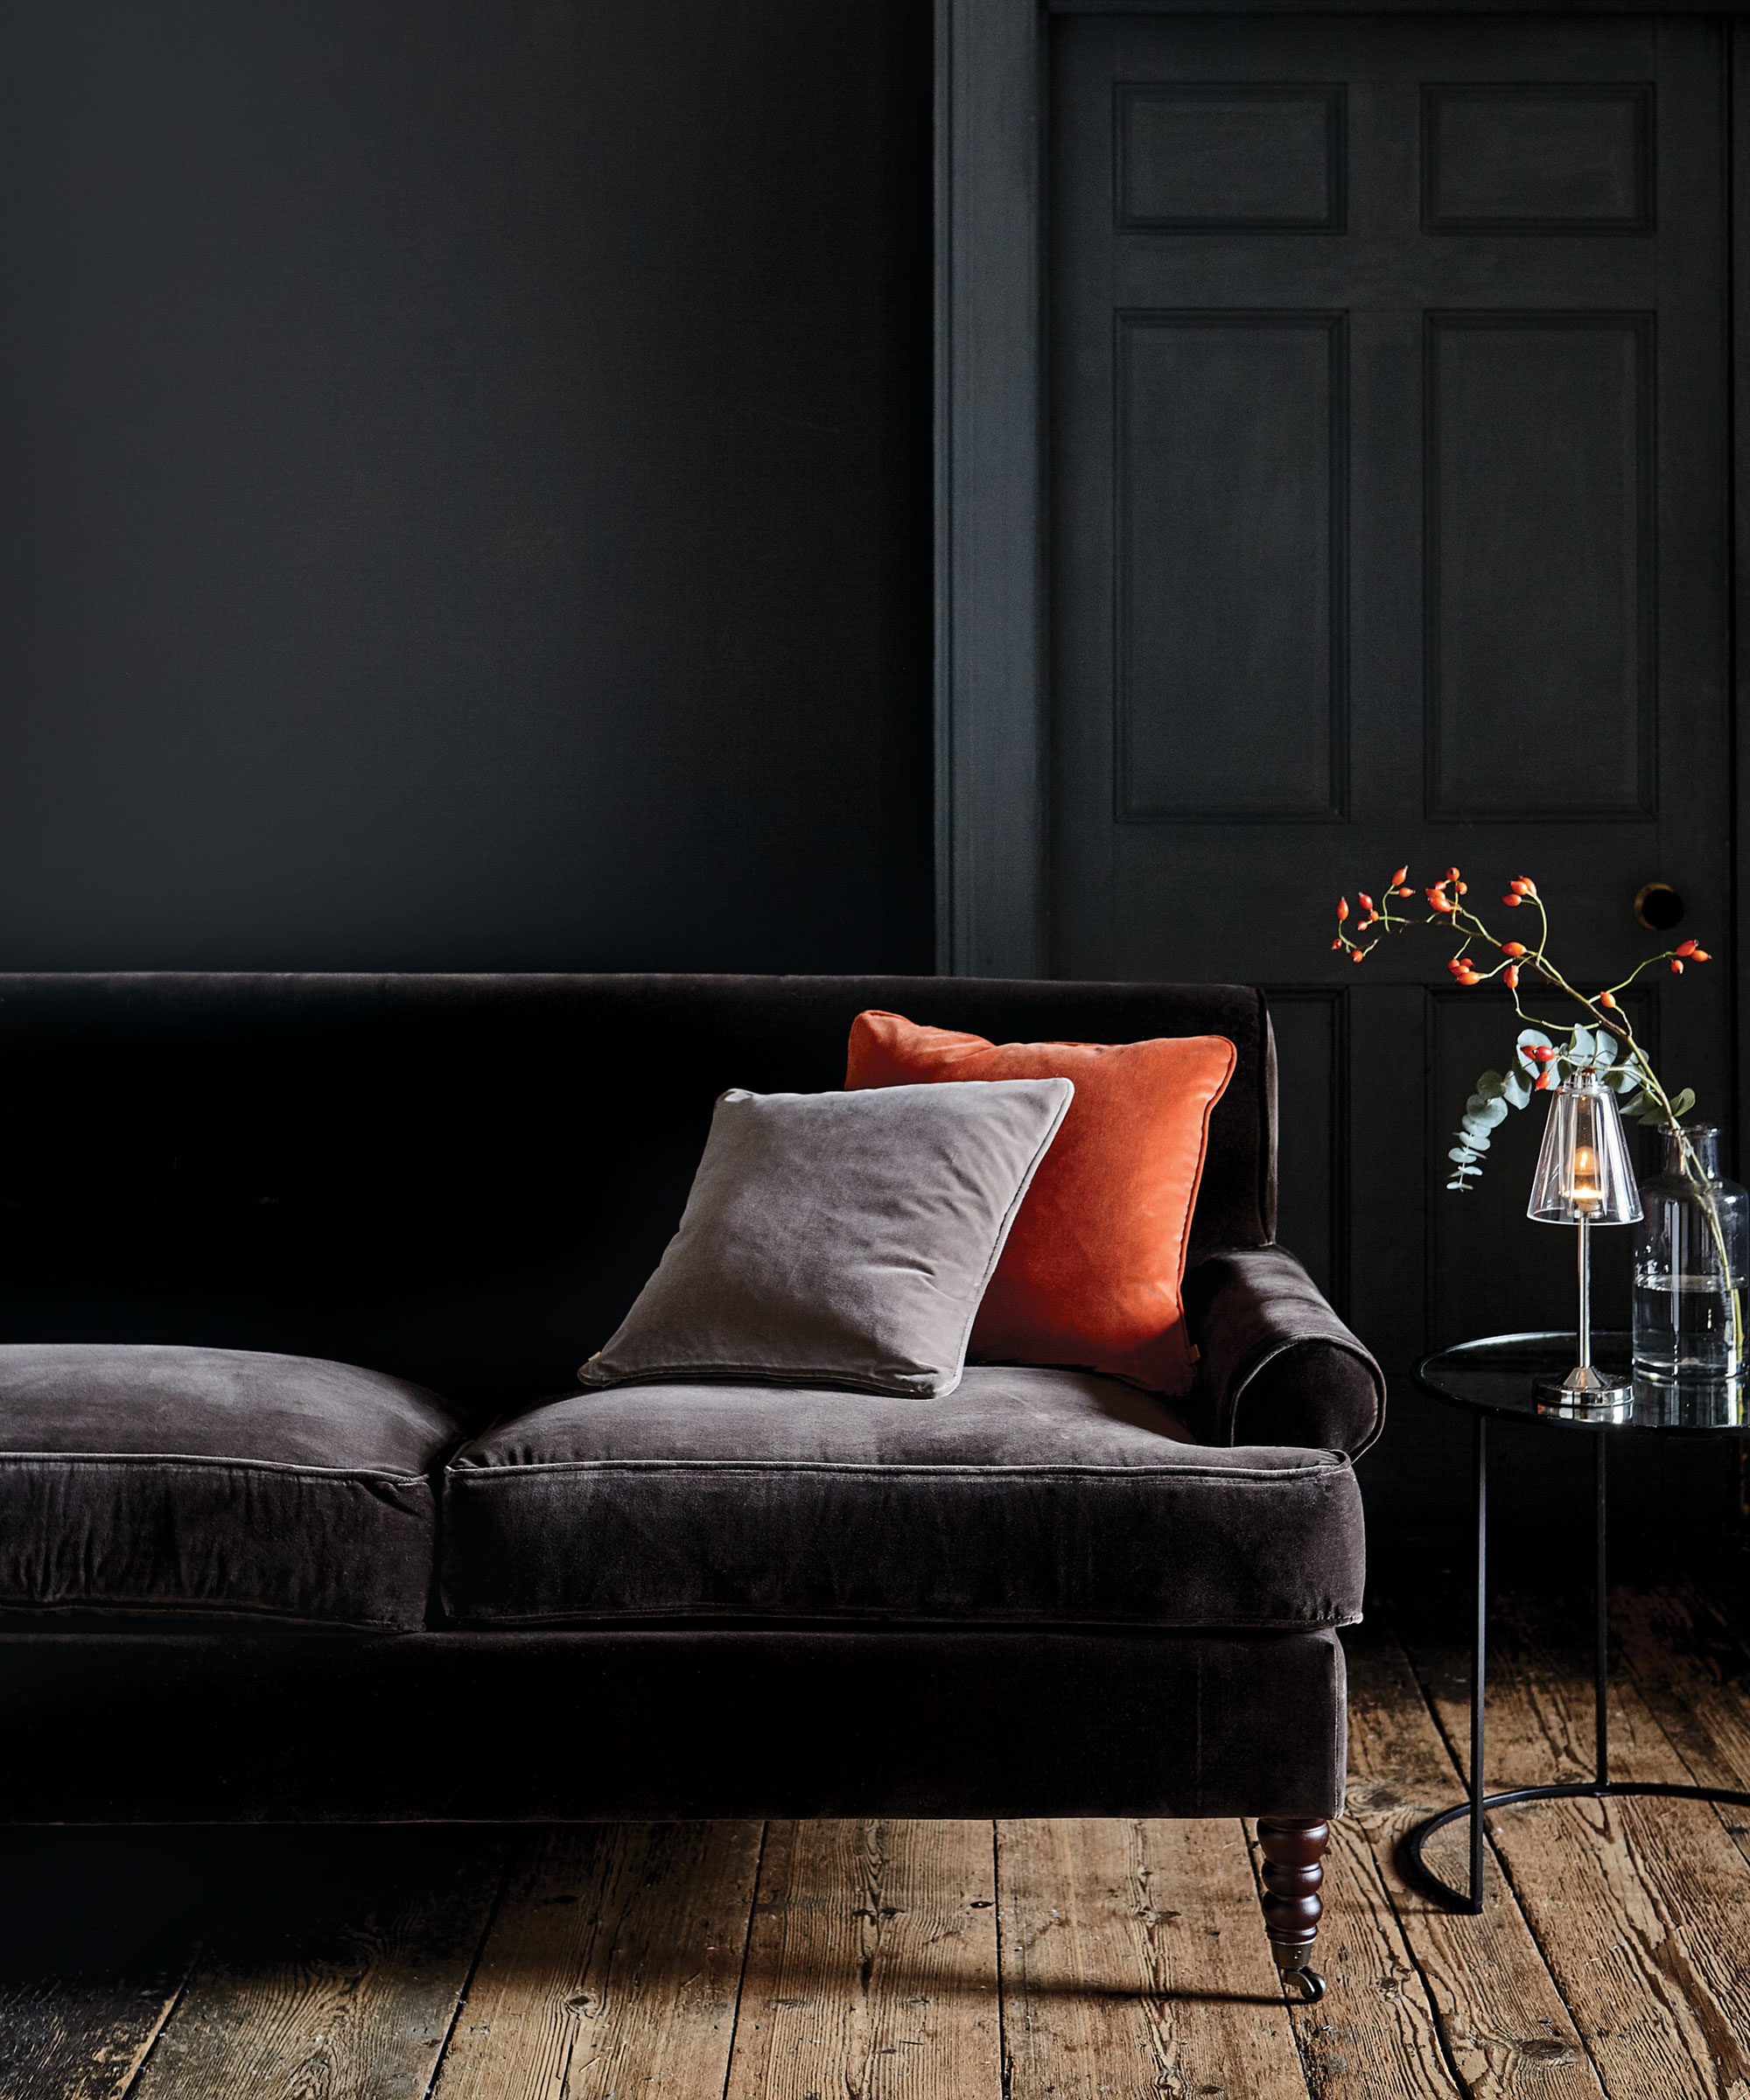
{"x":178,"y":1607}
{"x":1275,"y":1347}
{"x":202,"y":1462}
{"x":1247,"y":1476}
{"x":903,"y":1385}
{"x":483,"y":1615}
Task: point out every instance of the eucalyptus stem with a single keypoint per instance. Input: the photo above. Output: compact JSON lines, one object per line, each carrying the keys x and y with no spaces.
{"x":1704,"y":1189}
{"x":1673,"y":1125}
{"x":1605,"y":1016}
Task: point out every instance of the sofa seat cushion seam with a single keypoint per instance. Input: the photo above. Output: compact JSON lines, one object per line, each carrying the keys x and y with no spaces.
{"x":364,"y":1476}
{"x":180,"y":1608}
{"x":499,"y":1470}
{"x":486,"y":1615}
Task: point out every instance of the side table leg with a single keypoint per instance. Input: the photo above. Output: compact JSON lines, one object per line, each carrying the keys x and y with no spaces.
{"x":1459,"y":1894}
{"x":1601,"y":1665}
{"x":1480,"y":1659}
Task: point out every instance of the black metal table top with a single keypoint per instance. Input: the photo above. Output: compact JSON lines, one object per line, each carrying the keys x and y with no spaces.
{"x":1498,"y":1375}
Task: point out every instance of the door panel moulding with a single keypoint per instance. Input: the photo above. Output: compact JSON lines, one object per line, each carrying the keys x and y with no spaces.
{"x":992,"y":639}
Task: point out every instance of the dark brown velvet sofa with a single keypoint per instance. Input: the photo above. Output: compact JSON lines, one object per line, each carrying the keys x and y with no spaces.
{"x":302,"y":1514}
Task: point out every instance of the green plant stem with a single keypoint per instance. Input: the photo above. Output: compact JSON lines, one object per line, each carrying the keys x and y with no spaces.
{"x":1467,"y":923}
{"x":1686,"y":1151}
{"x":1620,"y":1027}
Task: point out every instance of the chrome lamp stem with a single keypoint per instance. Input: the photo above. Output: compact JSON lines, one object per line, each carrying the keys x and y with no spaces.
{"x":1585,"y":1385}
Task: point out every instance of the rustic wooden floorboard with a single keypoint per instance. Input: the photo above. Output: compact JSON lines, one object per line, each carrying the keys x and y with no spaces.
{"x":94,"y":1945}
{"x":871,"y":1965}
{"x":337,"y":1974}
{"x":1693,"y":1670}
{"x":1642,"y":1909}
{"x":77,"y":2038}
{"x":1134,"y":1961}
{"x":1030,"y":1960}
{"x":1415,"y":1988}
{"x":611,"y":1966}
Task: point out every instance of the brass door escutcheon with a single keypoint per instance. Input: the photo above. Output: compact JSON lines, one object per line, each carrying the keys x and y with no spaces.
{"x":1658,"y":907}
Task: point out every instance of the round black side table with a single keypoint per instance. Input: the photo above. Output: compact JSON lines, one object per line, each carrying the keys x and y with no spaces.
{"x":1498,"y":1378}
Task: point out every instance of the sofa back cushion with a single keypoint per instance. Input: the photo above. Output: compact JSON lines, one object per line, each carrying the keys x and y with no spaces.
{"x":462,"y":1180}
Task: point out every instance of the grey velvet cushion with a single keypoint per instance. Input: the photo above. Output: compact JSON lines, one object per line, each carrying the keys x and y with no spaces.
{"x":185,"y":1479}
{"x":1043,"y":1496}
{"x":840,"y":1239}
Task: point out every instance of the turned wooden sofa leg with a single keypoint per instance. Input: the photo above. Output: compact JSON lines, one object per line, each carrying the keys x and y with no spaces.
{"x":1293,"y":1849}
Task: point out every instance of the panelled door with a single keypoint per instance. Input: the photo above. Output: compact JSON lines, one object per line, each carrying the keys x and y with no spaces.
{"x":1389,"y":513}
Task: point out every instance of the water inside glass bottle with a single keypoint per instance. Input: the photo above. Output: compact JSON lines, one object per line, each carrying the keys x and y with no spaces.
{"x":1689,"y":1263}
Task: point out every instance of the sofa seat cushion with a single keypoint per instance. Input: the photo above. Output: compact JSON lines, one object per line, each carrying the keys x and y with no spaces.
{"x":161,"y":1479}
{"x":1028,"y":1495}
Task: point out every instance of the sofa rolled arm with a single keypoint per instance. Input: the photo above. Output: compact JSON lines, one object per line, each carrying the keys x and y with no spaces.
{"x":1275,"y":1364}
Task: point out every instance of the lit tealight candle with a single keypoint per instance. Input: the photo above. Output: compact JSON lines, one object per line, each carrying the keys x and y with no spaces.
{"x":1584,"y":1190}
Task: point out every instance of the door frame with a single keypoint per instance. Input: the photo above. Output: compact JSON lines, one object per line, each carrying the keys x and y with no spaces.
{"x":990,"y":665}
{"x":991,"y":604}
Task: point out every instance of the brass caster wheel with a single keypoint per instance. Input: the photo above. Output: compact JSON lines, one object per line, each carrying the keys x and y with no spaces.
{"x":1311,"y":1983}
{"x":1293,"y":1968}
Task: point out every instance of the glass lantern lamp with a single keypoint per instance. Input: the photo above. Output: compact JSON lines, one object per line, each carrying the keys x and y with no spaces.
{"x":1584,"y":1180}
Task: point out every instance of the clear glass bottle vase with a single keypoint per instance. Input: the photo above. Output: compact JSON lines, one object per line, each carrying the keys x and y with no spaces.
{"x":1691,"y":1257}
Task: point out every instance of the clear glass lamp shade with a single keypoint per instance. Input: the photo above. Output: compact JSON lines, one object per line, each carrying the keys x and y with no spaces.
{"x":1583,"y":1171}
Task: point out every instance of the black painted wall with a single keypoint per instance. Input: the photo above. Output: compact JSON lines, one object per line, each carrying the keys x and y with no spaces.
{"x":464,"y":473}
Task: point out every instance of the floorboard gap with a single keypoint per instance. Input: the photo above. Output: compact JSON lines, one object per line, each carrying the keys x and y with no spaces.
{"x":456,"y":2010}
{"x":747,"y":1945}
{"x":169,"y":2008}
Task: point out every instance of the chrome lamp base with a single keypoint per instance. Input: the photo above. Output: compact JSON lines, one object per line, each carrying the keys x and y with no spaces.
{"x":1586,"y":1386}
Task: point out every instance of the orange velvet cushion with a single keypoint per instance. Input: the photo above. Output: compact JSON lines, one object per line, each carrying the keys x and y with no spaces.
{"x":1092,"y":1270}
